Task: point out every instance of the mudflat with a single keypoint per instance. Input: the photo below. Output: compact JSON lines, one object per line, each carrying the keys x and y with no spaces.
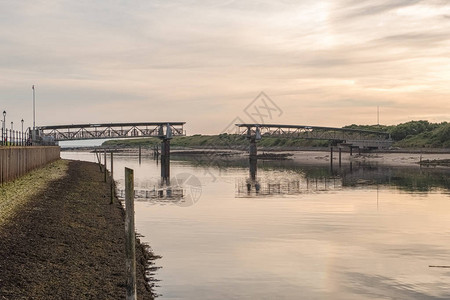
{"x":66,"y":241}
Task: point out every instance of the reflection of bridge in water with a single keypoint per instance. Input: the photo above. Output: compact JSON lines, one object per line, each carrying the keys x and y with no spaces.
{"x":162,"y":193}
{"x":288,"y":184}
{"x":184,"y":189}
{"x":309,"y":179}
{"x":246,"y":187}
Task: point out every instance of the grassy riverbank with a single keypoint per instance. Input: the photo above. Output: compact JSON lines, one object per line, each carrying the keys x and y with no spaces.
{"x":61,"y":239}
{"x":16,"y":194}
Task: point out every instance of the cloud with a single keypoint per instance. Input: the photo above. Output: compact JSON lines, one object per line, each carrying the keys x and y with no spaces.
{"x":368,"y":8}
{"x":170,"y":54}
{"x":364,"y":103}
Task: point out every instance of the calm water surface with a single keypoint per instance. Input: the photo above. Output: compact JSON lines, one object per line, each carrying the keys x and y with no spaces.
{"x":365,"y":233}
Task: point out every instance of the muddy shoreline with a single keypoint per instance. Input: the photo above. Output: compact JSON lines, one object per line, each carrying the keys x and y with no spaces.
{"x":67,"y":242}
{"x":316,"y":156}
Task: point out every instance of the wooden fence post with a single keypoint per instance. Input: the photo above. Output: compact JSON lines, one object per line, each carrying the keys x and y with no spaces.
{"x":106,"y":170}
{"x":112,"y":178}
{"x":130,"y":235}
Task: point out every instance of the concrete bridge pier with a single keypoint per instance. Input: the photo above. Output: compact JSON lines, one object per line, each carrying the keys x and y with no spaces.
{"x":165,"y":161}
{"x":253,"y":158}
{"x":165,"y":136}
{"x":253,"y":163}
{"x":253,"y":150}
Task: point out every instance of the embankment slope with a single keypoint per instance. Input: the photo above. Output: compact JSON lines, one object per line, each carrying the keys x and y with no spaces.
{"x":66,"y":241}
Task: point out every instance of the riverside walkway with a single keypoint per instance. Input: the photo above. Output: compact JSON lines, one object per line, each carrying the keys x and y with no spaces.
{"x":63,"y":240}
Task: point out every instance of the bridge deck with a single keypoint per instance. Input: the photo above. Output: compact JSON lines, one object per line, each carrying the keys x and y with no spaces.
{"x":111,"y":130}
{"x":352,"y":137}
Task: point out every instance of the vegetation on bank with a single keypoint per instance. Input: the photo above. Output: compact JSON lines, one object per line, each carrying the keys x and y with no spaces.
{"x":413,"y":134}
{"x":15,"y":194}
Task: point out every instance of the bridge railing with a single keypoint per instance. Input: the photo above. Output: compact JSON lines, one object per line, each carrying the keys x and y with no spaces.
{"x":309,"y":132}
{"x":112,"y":130}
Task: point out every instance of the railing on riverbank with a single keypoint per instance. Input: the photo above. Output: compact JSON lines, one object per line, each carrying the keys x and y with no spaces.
{"x":15,"y":138}
{"x":17,"y":161}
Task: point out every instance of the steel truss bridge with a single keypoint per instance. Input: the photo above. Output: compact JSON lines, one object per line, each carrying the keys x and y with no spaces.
{"x":162,"y":130}
{"x":342,"y":136}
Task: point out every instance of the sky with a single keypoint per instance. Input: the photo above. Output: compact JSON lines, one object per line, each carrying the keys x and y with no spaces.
{"x":322,"y":63}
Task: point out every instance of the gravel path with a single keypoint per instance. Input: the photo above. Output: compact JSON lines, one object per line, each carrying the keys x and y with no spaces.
{"x":67,"y":242}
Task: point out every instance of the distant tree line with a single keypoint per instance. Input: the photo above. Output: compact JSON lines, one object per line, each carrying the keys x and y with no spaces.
{"x":414,"y":133}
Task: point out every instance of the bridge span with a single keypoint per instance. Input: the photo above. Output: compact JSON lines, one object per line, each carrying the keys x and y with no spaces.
{"x":341,"y":137}
{"x":57,"y":133}
{"x":353,"y":138}
{"x":162,"y":130}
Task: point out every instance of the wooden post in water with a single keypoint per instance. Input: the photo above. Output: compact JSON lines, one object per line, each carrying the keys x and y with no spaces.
{"x":112,"y":178}
{"x":165,"y":161}
{"x":99,"y":160}
{"x":130,"y":235}
{"x":140,"y":153}
{"x":106,"y":171}
{"x":331,"y":158}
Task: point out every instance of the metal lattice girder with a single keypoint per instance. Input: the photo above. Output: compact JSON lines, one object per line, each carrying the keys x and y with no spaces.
{"x":164,"y":130}
{"x":355,"y":137}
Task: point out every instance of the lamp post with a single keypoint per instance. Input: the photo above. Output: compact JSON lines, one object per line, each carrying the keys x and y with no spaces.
{"x":11,"y":138}
{"x":34,"y":108}
{"x":21,"y":140}
{"x":4,"y":133}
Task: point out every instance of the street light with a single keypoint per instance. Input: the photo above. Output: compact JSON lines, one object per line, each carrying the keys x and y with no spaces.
{"x":4,"y":134}
{"x":34,"y":107}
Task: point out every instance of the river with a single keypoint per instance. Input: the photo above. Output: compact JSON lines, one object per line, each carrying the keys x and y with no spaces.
{"x":292,"y":231}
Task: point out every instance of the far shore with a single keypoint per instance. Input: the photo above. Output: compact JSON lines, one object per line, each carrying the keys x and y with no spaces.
{"x":310,"y":156}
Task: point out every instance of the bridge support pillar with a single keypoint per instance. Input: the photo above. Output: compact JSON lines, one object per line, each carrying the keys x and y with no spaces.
{"x":253,"y":151}
{"x":351,"y":150}
{"x":253,"y":162}
{"x":340,"y":157}
{"x":253,"y":156}
{"x":165,"y":161}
